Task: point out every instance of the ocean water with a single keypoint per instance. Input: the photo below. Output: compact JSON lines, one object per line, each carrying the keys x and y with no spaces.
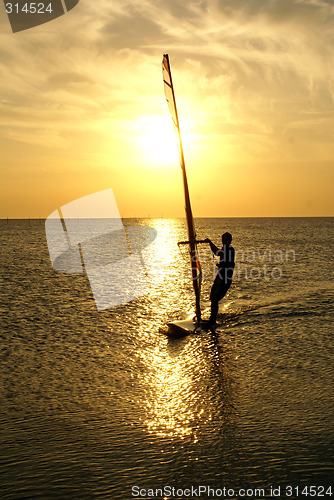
{"x":102,"y":404}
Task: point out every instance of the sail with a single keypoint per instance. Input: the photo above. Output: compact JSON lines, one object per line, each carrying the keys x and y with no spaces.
{"x":169,"y":90}
{"x":194,"y":261}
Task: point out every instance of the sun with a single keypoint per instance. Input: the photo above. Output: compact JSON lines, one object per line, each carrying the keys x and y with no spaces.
{"x":158,"y":141}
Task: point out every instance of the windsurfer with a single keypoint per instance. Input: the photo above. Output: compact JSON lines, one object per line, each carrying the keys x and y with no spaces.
{"x":224,"y":275}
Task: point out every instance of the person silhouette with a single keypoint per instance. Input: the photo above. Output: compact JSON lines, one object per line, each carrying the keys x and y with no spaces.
{"x":223,"y":279}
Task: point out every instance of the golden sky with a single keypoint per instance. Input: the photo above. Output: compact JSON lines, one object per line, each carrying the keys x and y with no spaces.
{"x":82,"y":108}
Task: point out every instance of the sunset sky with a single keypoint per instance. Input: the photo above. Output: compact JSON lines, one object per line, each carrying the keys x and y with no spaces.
{"x":82,"y":108}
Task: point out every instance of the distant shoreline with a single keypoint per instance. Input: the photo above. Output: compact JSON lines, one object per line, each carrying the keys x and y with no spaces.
{"x":181,"y":218}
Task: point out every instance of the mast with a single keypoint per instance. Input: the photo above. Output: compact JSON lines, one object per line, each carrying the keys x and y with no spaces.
{"x":195,"y":265}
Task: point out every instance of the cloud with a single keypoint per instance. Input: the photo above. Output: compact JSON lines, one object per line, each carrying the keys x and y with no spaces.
{"x":254,"y":85}
{"x":258,"y":64}
{"x":129,"y":31}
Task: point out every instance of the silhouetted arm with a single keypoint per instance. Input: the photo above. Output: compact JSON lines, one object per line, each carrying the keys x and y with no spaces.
{"x":213,"y":247}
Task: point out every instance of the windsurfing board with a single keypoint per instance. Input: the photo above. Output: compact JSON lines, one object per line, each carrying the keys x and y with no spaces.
{"x":187,"y":327}
{"x":183,"y":327}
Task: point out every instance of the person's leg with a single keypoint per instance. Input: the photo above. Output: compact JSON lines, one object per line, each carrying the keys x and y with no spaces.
{"x":214,"y":311}
{"x":218,"y":292}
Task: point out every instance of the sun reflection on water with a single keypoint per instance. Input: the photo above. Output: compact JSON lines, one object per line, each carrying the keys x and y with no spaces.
{"x":166,"y":261}
{"x":186,"y":388}
{"x":184,"y":383}
{"x":174,"y":406}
